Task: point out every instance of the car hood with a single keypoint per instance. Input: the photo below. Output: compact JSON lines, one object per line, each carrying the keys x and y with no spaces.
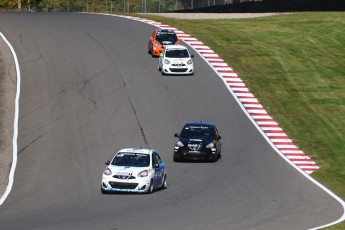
{"x":195,"y":141}
{"x":126,"y":170}
{"x":178,"y":60}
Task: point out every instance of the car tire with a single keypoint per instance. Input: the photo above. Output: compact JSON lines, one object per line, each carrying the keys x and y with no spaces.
{"x":164,"y":184}
{"x":104,"y":191}
{"x":176,"y":159}
{"x":215,"y":159}
{"x":159,"y":69}
{"x":150,"y":190}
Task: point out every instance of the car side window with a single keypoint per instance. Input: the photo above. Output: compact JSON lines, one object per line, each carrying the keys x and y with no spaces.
{"x":157,"y":158}
{"x":154,"y":159}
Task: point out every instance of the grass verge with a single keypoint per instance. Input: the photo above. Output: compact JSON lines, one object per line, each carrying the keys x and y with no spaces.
{"x":295,"y":65}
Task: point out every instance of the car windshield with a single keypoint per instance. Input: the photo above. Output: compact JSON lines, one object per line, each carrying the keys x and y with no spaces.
{"x":166,"y":36}
{"x":131,"y":159}
{"x":197,"y":132}
{"x":176,"y":53}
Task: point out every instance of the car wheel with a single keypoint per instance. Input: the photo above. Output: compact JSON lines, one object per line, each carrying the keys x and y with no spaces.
{"x":164,"y":184}
{"x":176,"y":159}
{"x":215,"y":158}
{"x":159,"y":68}
{"x":104,"y":191}
{"x":150,"y":190}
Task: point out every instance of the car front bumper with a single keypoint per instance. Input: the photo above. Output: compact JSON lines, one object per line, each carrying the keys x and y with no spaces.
{"x":111,"y":184}
{"x":169,"y":69}
{"x":202,"y":154}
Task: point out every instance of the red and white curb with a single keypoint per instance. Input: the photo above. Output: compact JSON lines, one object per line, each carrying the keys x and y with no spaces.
{"x":248,"y":102}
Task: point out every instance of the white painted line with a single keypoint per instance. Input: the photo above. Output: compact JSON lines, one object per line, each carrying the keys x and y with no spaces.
{"x":216,"y":64}
{"x":196,"y":43}
{"x":281,"y":140}
{"x":296,"y":158}
{"x":240,"y":89}
{"x":263,"y":111}
{"x":246,"y":95}
{"x":237,"y":84}
{"x":286,"y":146}
{"x":263,"y":123}
{"x":292,"y":152}
{"x":228,"y":75}
{"x":15,"y":125}
{"x":224,"y":68}
{"x":206,"y":51}
{"x":249,"y":100}
{"x":252,"y":105}
{"x":200,"y":47}
{"x":270,"y":128}
{"x":210,"y":55}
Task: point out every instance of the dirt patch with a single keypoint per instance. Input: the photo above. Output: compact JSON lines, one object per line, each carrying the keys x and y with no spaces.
{"x":7,"y":108}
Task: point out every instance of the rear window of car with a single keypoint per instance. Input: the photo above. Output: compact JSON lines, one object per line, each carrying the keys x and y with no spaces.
{"x":197,"y":132}
{"x":131,"y":159}
{"x":176,"y":53}
{"x":166,"y":36}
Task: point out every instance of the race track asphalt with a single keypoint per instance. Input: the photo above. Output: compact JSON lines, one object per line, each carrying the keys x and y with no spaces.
{"x":88,"y":89}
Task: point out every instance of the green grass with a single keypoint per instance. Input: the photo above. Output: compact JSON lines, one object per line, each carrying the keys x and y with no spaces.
{"x":295,"y":65}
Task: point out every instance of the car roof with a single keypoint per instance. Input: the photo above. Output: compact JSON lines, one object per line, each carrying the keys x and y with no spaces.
{"x":137,"y":150}
{"x":175,"y":47}
{"x":199,"y":124}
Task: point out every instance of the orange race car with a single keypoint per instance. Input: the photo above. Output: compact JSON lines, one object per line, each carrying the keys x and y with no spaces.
{"x":160,"y":38}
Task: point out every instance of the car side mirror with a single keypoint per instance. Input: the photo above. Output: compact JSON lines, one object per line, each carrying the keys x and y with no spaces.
{"x":192,"y":56}
{"x":219,"y":137}
{"x":179,"y":40}
{"x":176,"y":135}
{"x":107,"y":163}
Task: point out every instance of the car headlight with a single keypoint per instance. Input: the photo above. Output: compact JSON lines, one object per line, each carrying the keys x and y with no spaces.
{"x":179,"y":144}
{"x":107,"y":172}
{"x":210,"y":145}
{"x":190,"y":62}
{"x":143,"y":173}
{"x":167,"y":62}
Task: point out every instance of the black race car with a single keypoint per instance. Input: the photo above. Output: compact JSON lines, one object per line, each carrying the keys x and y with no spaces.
{"x":198,"y":141}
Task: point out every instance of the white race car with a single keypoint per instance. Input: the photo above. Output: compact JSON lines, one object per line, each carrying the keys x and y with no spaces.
{"x":175,"y":59}
{"x":134,"y":170}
